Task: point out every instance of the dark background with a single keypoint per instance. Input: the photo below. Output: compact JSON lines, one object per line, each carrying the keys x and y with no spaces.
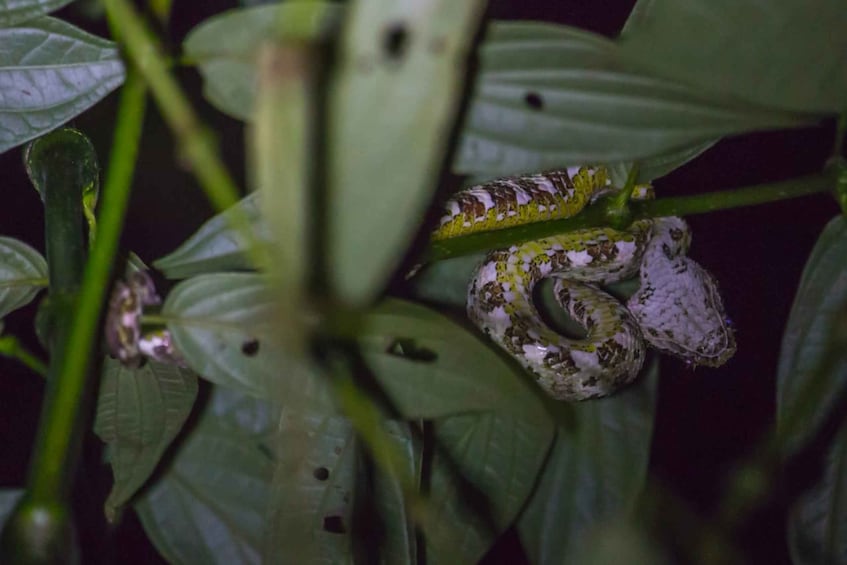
{"x":707,"y":419}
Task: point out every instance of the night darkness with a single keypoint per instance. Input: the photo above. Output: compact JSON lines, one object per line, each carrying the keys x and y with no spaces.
{"x":706,"y":419}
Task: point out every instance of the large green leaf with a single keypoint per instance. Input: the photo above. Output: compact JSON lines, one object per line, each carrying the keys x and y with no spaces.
{"x":228,"y":67}
{"x":223,"y":325}
{"x":396,"y":532}
{"x":594,"y":473}
{"x":431,"y":367}
{"x":215,"y":247}
{"x":811,"y":378}
{"x":311,"y":513}
{"x":210,"y":505}
{"x":50,"y":71}
{"x":14,"y":11}
{"x":483,"y":470}
{"x":820,"y":300}
{"x":23,"y":272}
{"x":550,"y":95}
{"x":139,"y":412}
{"x":392,"y":108}
{"x":494,"y":442}
{"x":787,"y":54}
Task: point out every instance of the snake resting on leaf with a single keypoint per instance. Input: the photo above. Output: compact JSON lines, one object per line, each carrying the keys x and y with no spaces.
{"x":677,"y":308}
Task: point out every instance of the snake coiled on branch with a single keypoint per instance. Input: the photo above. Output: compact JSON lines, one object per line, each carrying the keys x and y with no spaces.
{"x":677,"y":308}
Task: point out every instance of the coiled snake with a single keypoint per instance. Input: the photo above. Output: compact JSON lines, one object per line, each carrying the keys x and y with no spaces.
{"x":677,"y":308}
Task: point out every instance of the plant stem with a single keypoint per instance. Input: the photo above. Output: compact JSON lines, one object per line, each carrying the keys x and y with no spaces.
{"x":197,"y":143}
{"x":598,"y":214}
{"x":11,"y":346}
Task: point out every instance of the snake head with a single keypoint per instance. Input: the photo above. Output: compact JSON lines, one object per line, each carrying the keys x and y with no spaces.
{"x":680,"y":311}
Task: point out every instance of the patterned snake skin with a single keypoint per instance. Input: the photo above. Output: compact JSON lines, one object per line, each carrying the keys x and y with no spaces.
{"x":677,"y":309}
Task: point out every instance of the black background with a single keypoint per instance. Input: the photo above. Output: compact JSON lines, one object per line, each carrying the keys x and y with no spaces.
{"x":706,"y":420}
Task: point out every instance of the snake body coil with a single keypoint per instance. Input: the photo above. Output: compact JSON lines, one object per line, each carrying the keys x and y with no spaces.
{"x":677,"y":308}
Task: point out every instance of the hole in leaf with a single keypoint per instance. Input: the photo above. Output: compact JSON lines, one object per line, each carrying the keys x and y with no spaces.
{"x":406,"y":347}
{"x":334,"y":524}
{"x":534,"y":100}
{"x":396,"y":41}
{"x":250,"y":347}
{"x":321,"y":473}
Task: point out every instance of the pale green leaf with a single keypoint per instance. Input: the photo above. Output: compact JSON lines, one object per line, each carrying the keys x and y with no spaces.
{"x":819,"y":302}
{"x":311,"y":513}
{"x":210,"y":505}
{"x":23,"y":272}
{"x":139,"y":412}
{"x":14,"y":11}
{"x":484,"y":467}
{"x":228,"y":67}
{"x":223,"y":325}
{"x":548,"y":96}
{"x":50,"y":71}
{"x":786,"y":54}
{"x":398,"y":539}
{"x":392,"y":108}
{"x":215,"y":247}
{"x":431,"y":367}
{"x":594,"y":473}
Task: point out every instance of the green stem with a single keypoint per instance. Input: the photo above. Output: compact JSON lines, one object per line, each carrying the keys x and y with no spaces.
{"x":60,"y":165}
{"x":196,"y":142}
{"x":39,"y":530}
{"x":11,"y":346}
{"x":598,"y":214}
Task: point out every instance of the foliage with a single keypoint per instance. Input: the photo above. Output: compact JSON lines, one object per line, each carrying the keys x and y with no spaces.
{"x":318,"y":405}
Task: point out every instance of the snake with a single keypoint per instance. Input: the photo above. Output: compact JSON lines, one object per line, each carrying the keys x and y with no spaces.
{"x":677,"y":309}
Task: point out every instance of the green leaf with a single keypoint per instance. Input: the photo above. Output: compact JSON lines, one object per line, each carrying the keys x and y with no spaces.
{"x":228,"y":68}
{"x":446,"y":282}
{"x":819,"y":303}
{"x":223,"y":325}
{"x":51,"y":71}
{"x":23,"y":273}
{"x":215,"y":247}
{"x":14,"y":11}
{"x":210,"y":504}
{"x":594,"y":473}
{"x":549,"y":95}
{"x":781,"y":54}
{"x":397,"y":533}
{"x":497,"y":456}
{"x":139,"y":412}
{"x":9,"y":497}
{"x":392,"y":108}
{"x":311,"y":513}
{"x":432,"y":367}
{"x":810,"y":382}
{"x":817,"y":521}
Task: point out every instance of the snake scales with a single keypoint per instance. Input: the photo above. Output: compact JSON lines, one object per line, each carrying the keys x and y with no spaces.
{"x":677,"y":308}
